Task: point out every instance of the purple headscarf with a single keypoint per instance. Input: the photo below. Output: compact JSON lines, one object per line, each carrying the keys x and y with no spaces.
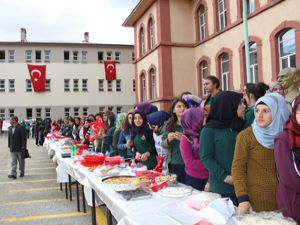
{"x":141,"y":129}
{"x":192,"y":122}
{"x":146,"y":108}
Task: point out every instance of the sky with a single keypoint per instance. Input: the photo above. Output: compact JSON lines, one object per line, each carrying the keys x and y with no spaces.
{"x":67,"y":20}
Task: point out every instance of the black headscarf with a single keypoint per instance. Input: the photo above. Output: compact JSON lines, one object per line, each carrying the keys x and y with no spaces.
{"x":223,"y":113}
{"x":141,"y":129}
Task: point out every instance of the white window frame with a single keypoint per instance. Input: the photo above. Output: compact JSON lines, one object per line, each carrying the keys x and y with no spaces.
{"x":118,"y":57}
{"x":250,"y":6}
{"x":84,"y":56}
{"x":143,"y":87}
{"x":3,"y":52}
{"x":253,"y":66}
{"x":2,"y":85}
{"x":48,"y":85}
{"x":36,"y":53}
{"x":133,"y":85}
{"x":47,"y":56}
{"x":109,"y":55}
{"x":66,"y":60}
{"x":75,"y":85}
{"x":288,"y":56}
{"x":110,"y":108}
{"x":225,"y":74}
{"x":76,"y":111}
{"x":119,"y":109}
{"x":11,"y":112}
{"x":132,"y":57}
{"x":67,"y":111}
{"x":153,"y":84}
{"x":84,"y":86}
{"x":151,"y":34}
{"x":118,"y":85}
{"x":101,"y":85}
{"x":28,"y":55}
{"x":222,"y":14}
{"x":202,"y":22}
{"x":142,"y":42}
{"x":28,"y":85}
{"x":203,"y":74}
{"x":98,"y":54}
{"x":11,"y":85}
{"x":2,"y":113}
{"x":75,"y":56}
{"x":47,"y":112}
{"x":85,"y":111}
{"x":11,"y":55}
{"x":109,"y":85}
{"x":67,"y":85}
{"x":38,"y":112}
{"x":101,"y":109}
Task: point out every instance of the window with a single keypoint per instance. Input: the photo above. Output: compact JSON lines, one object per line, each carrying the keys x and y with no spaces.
{"x":84,"y":56}
{"x":48,"y":84}
{"x":132,"y":57}
{"x":287,"y":49}
{"x":133,"y":85}
{"x":143,"y":88}
{"x":11,"y":85}
{"x":28,"y":55}
{"x":84,"y":84}
{"x":28,"y":85}
{"x":253,"y":62}
{"x":38,"y":112}
{"x":101,"y":109}
{"x":67,"y":111}
{"x":109,"y":85}
{"x":2,"y":85}
{"x":110,"y":108}
{"x":222,"y":14}
{"x":203,"y":74}
{"x":202,"y":24}
{"x":117,"y":57}
{"x":119,"y":109}
{"x":76,"y":111}
{"x":47,"y":56}
{"x":108,"y":55}
{"x":2,"y":56}
{"x":75,"y":56}
{"x":250,"y":6}
{"x":118,"y":85}
{"x":153,"y":84}
{"x":151,"y":34}
{"x":224,"y":60}
{"x":75,"y":85}
{"x":142,"y":42}
{"x":101,"y":85}
{"x":66,"y":56}
{"x":29,"y":113}
{"x":85,"y":111}
{"x":11,"y":55}
{"x":38,"y":56}
{"x":67,"y":85}
{"x":11,"y":112}
{"x":100,"y":57}
{"x":47,"y":112}
{"x":2,"y":113}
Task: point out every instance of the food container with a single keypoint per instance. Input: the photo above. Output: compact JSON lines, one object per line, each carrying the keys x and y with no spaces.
{"x":92,"y":160}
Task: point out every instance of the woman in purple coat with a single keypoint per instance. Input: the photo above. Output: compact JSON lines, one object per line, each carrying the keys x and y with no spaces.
{"x":287,"y":158}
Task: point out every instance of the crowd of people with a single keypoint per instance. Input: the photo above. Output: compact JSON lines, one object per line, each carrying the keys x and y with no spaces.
{"x":243,"y":145}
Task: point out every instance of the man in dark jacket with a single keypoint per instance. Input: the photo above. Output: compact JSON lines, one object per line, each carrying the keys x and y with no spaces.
{"x":16,"y":143}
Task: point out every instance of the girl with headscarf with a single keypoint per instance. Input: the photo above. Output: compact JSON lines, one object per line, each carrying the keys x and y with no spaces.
{"x":124,"y":145}
{"x":172,"y":132}
{"x":196,"y":173}
{"x":120,"y":123}
{"x":143,"y":142}
{"x":146,"y":108}
{"x":156,"y":121}
{"x":253,"y":167}
{"x":224,"y":122}
{"x":287,"y":159}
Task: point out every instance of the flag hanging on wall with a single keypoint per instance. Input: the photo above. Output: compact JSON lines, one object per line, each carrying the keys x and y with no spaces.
{"x":110,"y":70}
{"x":38,"y":77}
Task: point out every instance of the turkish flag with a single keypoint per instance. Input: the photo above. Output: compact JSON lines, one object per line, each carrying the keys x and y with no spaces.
{"x":110,"y":70}
{"x":96,"y":126}
{"x":38,"y":77}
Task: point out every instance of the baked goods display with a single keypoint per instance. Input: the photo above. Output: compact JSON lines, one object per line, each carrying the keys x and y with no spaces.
{"x":170,"y":179}
{"x":175,"y":192}
{"x":265,"y":218}
{"x":125,"y":182}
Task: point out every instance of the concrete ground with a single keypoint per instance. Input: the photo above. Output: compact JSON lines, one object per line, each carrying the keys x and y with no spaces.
{"x":36,"y":199}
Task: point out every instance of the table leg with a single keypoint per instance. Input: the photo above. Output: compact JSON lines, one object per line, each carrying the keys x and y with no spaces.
{"x":83,"y":198}
{"x":108,"y":216}
{"x":66,"y":189}
{"x":60,"y":185}
{"x":93,"y":208}
{"x":77,"y":192}
{"x":70,"y":187}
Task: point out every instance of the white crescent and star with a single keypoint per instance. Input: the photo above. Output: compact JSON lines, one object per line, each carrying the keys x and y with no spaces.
{"x":34,"y":72}
{"x":110,"y":67}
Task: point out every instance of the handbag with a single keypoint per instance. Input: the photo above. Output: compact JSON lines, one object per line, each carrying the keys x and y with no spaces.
{"x":25,"y":154}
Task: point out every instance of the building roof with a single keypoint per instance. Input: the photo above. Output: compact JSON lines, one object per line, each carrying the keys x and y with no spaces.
{"x":71,"y":44}
{"x":137,"y":12}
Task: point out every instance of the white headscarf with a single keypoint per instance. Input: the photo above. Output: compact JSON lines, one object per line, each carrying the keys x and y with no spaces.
{"x":280,"y":114}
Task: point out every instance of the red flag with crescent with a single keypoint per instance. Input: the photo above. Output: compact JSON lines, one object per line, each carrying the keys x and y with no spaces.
{"x":110,"y":70}
{"x":38,"y":77}
{"x":96,"y":126}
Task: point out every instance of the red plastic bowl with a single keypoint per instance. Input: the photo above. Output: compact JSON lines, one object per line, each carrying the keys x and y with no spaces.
{"x":92,"y":160}
{"x":112,"y":161}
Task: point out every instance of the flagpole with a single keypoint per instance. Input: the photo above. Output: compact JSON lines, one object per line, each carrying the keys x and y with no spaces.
{"x":246,"y":39}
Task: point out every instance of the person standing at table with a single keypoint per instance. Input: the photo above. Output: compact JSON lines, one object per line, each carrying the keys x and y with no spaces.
{"x":17,"y":141}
